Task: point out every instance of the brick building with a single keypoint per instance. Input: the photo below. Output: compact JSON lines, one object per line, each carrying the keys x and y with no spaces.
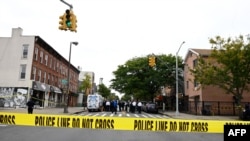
{"x":212,"y":99}
{"x":31,"y":68}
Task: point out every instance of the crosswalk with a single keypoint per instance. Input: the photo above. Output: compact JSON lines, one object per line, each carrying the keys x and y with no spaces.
{"x":123,"y":114}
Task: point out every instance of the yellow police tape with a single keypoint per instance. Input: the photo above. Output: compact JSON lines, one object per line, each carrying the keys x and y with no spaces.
{"x":118,"y":123}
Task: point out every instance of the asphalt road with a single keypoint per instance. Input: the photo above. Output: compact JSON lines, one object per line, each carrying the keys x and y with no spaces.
{"x":123,"y":114}
{"x":30,"y":133}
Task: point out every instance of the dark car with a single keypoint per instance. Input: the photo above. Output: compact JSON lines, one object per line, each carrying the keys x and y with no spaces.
{"x":150,"y":108}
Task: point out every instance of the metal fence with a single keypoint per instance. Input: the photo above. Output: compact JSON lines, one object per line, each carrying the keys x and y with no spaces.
{"x":215,"y":108}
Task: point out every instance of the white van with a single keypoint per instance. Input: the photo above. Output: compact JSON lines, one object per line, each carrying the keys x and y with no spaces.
{"x":94,"y":102}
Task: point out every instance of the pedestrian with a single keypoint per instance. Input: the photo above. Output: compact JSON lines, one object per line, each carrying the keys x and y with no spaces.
{"x":133,"y":106}
{"x":114,"y":106}
{"x":107,"y":105}
{"x":139,"y":107}
{"x":30,"y":105}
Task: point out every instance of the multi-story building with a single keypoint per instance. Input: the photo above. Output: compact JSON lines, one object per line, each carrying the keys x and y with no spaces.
{"x":31,"y":68}
{"x":208,"y":99}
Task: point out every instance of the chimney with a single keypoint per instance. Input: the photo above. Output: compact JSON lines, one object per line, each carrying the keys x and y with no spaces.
{"x":17,"y":32}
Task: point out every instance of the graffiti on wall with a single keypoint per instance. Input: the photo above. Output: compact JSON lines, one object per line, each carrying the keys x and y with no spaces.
{"x":13,"y":97}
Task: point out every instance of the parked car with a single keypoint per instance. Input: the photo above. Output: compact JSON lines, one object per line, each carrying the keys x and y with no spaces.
{"x":150,"y":107}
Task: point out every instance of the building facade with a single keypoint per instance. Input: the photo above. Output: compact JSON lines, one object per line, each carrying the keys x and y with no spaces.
{"x":31,"y":68}
{"x":208,"y":99}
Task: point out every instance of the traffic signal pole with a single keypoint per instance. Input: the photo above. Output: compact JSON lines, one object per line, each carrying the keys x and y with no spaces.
{"x":70,"y":5}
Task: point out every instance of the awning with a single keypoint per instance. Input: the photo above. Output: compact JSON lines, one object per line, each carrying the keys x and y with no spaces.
{"x":36,"y":85}
{"x":55,"y":89}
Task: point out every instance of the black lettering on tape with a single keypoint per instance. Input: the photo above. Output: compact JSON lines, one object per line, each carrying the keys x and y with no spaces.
{"x":143,"y":124}
{"x":199,"y":127}
{"x":76,"y":123}
{"x":161,"y":125}
{"x":63,"y":122}
{"x":104,"y":124}
{"x":87,"y":123}
{"x":45,"y":121}
{"x":7,"y":119}
{"x":183,"y":126}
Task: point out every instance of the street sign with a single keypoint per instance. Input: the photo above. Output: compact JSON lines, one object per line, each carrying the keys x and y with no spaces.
{"x":64,"y":81}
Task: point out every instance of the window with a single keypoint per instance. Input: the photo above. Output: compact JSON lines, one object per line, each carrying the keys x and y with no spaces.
{"x":44,"y":77}
{"x":41,"y":57}
{"x":195,"y":63}
{"x":46,"y":60}
{"x":39,"y":75}
{"x":36,"y":54}
{"x":52,"y":81}
{"x":54,"y":67}
{"x":187,"y":83}
{"x":57,"y":67}
{"x":25,"y":51}
{"x":51,"y":62}
{"x":196,"y":83}
{"x":22,"y":71}
{"x":33,"y":76}
{"x":48,"y":78}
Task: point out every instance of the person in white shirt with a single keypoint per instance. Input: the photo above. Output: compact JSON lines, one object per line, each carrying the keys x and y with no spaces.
{"x":133,"y":106}
{"x":108,"y":105}
{"x":139,"y":107}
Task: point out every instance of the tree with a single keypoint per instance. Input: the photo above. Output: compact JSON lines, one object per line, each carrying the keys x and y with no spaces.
{"x":135,"y":78}
{"x":227,"y":67}
{"x":104,"y":91}
{"x":86,"y":84}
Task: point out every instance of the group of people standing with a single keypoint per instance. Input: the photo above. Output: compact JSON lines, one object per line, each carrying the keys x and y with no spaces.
{"x":115,"y":105}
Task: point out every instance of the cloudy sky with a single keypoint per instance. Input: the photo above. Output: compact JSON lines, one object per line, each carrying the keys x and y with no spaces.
{"x":110,"y":32}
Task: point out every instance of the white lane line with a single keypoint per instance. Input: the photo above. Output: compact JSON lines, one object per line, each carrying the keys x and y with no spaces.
{"x":3,"y":125}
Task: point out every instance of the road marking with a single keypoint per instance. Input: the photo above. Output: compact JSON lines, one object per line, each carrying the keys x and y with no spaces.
{"x":150,"y":115}
{"x":104,"y":114}
{"x":96,"y":115}
{"x":158,"y":116}
{"x":136,"y":115}
{"x":3,"y":125}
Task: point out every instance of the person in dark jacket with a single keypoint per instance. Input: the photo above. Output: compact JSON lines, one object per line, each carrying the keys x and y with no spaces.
{"x":30,"y":105}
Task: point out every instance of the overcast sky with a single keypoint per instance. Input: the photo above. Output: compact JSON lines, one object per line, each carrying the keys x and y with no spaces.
{"x":110,"y":32}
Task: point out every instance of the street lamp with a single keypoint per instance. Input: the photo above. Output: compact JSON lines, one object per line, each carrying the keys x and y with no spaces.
{"x":67,"y":95}
{"x":176,"y":77}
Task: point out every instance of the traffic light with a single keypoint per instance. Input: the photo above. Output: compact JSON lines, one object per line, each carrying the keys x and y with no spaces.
{"x":74,"y":23}
{"x":151,"y":61}
{"x":69,"y":17}
{"x":62,"y":22}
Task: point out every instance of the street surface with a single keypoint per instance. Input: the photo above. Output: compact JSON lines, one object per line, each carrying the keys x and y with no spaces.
{"x":123,"y":114}
{"x":31,"y":133}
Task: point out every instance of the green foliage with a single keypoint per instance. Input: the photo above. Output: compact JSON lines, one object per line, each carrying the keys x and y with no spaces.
{"x":227,"y":67}
{"x":135,"y":78}
{"x":104,"y":91}
{"x":86,"y":84}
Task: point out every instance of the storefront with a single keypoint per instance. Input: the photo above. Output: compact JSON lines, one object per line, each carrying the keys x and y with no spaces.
{"x":55,"y":97}
{"x":40,"y":93}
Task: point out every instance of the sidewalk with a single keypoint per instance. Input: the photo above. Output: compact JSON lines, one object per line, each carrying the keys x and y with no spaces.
{"x":172,"y":114}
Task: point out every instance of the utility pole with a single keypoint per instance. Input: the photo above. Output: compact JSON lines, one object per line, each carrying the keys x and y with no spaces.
{"x":176,"y":78}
